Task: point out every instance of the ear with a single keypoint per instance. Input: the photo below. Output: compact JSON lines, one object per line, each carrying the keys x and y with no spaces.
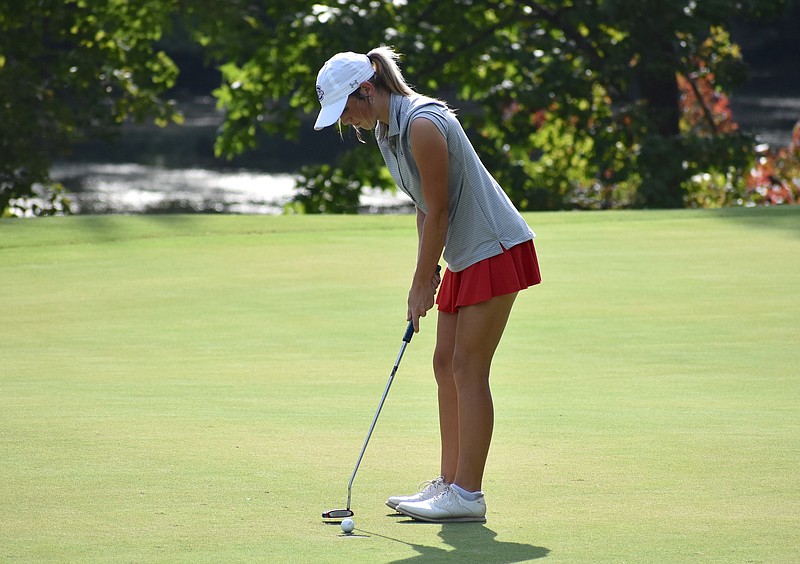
{"x":367,"y":89}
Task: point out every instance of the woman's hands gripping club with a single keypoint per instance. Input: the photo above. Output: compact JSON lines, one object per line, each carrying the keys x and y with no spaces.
{"x":421,"y":298}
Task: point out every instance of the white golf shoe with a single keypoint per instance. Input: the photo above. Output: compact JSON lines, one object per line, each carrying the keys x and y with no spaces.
{"x":447,"y":507}
{"x":427,"y":491}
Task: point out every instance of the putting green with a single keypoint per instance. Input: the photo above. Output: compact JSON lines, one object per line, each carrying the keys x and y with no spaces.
{"x":192,"y":388}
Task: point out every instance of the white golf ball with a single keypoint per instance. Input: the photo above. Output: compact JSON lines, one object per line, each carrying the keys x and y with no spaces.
{"x":348,"y":525}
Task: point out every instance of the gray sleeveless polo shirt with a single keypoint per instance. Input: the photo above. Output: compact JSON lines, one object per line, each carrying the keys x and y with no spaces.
{"x":482,"y":219}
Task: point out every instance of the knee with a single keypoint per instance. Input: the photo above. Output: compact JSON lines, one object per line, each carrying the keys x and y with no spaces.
{"x":468,"y":371}
{"x":443,"y":368}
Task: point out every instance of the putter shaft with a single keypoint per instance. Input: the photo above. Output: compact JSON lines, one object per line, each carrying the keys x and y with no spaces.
{"x":340,"y":513}
{"x":406,"y":340}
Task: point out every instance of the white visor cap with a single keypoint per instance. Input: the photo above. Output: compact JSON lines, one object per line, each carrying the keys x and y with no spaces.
{"x":337,"y":79}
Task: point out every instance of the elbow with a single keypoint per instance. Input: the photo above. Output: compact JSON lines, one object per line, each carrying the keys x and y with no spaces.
{"x":438,"y":219}
{"x":441,"y":213}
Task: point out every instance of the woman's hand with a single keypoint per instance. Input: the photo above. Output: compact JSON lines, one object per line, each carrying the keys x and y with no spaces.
{"x":421,"y":299}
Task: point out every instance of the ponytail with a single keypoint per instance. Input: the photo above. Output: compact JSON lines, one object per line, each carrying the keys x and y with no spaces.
{"x":387,"y":73}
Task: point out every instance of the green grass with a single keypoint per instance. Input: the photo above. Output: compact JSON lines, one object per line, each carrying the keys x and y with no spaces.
{"x":198,"y":388}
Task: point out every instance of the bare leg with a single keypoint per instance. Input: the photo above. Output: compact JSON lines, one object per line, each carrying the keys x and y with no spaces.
{"x":448,"y":396}
{"x":478,"y":330}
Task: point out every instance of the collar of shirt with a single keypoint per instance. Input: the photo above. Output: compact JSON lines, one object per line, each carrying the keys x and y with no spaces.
{"x":396,"y":103}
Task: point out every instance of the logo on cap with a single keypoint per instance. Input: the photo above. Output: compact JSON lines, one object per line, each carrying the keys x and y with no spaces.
{"x":320,"y":93}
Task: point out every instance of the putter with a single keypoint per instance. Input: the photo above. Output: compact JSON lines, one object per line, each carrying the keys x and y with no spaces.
{"x":343,"y":513}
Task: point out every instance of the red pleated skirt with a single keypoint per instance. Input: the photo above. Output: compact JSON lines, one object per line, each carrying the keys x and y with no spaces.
{"x":513,"y":270}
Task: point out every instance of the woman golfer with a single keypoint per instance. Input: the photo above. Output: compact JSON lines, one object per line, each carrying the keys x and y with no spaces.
{"x":487,"y":245}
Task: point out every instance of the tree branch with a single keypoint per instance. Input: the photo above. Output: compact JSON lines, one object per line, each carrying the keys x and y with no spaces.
{"x":706,"y":111}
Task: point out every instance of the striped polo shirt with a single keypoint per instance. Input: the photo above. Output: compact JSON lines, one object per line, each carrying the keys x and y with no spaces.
{"x":482,"y":219}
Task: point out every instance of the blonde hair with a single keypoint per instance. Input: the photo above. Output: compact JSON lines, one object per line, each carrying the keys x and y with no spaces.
{"x":387,"y":74}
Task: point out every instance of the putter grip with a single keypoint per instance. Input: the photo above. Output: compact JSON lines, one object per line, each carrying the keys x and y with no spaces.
{"x":409,"y":332}
{"x":410,"y":328}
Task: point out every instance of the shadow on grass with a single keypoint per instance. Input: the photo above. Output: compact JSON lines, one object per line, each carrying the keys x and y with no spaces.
{"x":470,"y":542}
{"x":781,"y":218}
{"x":114,"y":228}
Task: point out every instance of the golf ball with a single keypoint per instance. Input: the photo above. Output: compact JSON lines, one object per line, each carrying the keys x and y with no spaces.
{"x":348,"y":525}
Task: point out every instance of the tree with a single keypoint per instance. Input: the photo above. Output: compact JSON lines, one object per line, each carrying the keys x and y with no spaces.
{"x":71,"y":69}
{"x":571,"y":104}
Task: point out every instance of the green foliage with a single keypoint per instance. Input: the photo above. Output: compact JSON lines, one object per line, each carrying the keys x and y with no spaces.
{"x":725,"y":169}
{"x":572,"y":104}
{"x":70,"y":70}
{"x":771,"y":178}
{"x":586,"y":103}
{"x":328,"y":188}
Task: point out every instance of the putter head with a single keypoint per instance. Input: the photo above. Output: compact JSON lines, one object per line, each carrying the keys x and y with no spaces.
{"x":337,"y":514}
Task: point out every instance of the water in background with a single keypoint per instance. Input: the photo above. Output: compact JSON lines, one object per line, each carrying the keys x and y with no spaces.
{"x":173,"y":169}
{"x":98,"y":188}
{"x":771,"y":117}
{"x":148,"y":169}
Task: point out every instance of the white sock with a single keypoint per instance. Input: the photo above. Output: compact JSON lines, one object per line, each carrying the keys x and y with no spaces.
{"x":469,"y":496}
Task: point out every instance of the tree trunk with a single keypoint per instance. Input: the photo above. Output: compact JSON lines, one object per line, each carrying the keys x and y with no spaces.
{"x":661,"y":159}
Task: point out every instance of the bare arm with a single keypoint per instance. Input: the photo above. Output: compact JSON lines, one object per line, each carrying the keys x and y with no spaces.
{"x":431,"y":155}
{"x":420,"y":228}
